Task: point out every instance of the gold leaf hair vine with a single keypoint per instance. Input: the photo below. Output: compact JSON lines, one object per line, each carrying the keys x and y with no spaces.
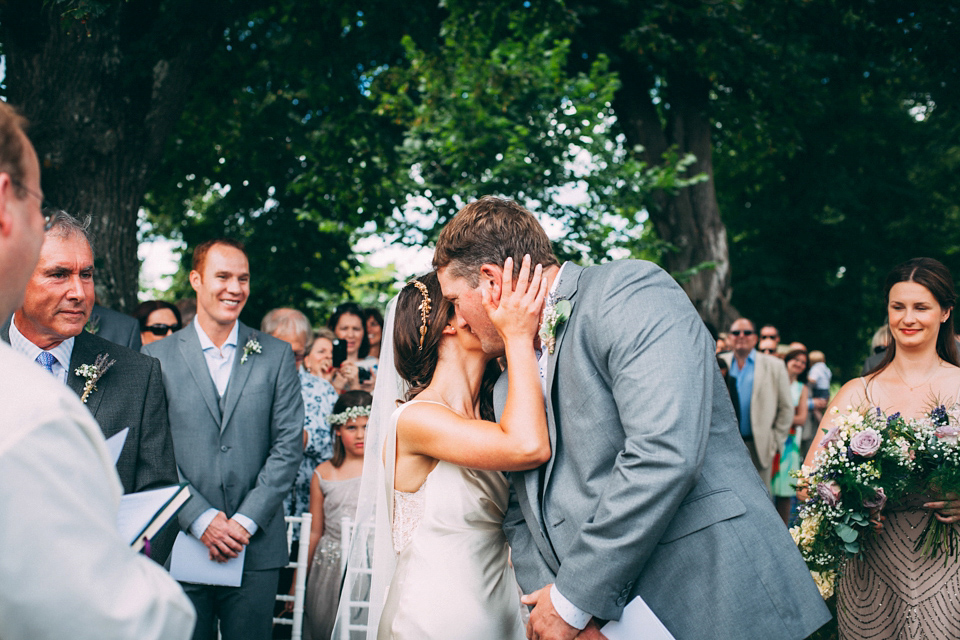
{"x":424,"y":309}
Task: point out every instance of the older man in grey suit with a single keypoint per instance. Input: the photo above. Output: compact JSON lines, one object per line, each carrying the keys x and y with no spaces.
{"x":48,"y":329}
{"x":649,"y":491}
{"x":236,"y":417}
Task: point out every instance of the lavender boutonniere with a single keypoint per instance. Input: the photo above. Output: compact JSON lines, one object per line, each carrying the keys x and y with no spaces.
{"x":93,"y":373}
{"x":553,"y":316}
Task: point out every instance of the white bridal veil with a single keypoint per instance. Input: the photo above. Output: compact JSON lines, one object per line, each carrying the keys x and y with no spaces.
{"x":371,"y":561}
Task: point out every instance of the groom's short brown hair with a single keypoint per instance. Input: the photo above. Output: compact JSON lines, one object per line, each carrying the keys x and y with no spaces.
{"x":488,"y":231}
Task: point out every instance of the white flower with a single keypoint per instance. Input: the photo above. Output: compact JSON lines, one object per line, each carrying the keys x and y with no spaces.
{"x":252,"y":346}
{"x":825,"y":582}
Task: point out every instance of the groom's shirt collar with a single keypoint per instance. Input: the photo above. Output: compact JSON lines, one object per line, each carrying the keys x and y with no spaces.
{"x":219,"y":359}
{"x":556,"y":282}
{"x":62,"y":352}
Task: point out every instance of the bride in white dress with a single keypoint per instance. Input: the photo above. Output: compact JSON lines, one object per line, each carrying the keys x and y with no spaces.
{"x":443,"y":491}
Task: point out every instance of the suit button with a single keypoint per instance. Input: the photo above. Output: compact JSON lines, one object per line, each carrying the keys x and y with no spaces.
{"x":224,"y":448}
{"x":621,"y":601}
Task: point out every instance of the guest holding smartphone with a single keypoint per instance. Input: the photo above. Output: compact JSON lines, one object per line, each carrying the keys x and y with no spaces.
{"x":355,"y":369}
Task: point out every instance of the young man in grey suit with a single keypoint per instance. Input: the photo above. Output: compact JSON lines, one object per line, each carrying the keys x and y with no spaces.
{"x":237,"y":419}
{"x":48,"y":329}
{"x":650,"y":491}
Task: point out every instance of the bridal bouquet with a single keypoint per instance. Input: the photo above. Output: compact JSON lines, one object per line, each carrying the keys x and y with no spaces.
{"x":935,"y":439}
{"x":865,"y":458}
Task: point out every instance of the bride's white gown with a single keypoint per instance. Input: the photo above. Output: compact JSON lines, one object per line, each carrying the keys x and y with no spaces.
{"x":453,"y":579}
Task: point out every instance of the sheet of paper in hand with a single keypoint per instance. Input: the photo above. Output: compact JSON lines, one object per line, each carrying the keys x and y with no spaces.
{"x":115,"y":443}
{"x":638,"y":622}
{"x":190,"y":562}
{"x":141,"y":515}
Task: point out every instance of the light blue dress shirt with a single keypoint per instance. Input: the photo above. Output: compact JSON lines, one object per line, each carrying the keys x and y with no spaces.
{"x":61,"y":353}
{"x":744,"y":379}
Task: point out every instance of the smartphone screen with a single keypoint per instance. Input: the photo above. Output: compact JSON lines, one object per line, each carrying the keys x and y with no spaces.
{"x":339,"y":352}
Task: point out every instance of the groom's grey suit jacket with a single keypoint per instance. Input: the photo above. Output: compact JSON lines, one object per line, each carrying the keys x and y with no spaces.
{"x":241,"y":454}
{"x":650,"y":490}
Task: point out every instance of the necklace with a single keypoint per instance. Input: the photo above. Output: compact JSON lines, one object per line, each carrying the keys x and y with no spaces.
{"x":896,"y":370}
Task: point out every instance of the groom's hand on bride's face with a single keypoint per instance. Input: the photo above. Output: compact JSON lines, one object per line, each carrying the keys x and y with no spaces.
{"x":545,"y":623}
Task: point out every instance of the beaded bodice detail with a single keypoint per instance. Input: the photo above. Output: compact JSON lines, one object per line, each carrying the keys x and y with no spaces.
{"x":407,"y":514}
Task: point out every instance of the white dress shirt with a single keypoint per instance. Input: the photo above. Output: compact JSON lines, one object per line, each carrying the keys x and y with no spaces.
{"x":61,"y":352}
{"x":219,"y":363}
{"x":65,"y":572}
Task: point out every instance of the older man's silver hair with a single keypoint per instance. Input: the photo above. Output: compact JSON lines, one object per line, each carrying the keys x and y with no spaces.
{"x":63,"y":225}
{"x":284,"y":320}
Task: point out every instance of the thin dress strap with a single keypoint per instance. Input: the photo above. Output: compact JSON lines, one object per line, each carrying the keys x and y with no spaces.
{"x":390,"y":453}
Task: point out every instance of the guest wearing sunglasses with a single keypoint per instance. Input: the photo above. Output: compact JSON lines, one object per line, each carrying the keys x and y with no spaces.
{"x":767,"y":346}
{"x":763,"y":390}
{"x":158,"y":319}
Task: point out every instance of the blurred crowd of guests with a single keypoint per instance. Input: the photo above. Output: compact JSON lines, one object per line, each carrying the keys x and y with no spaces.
{"x":779,"y":392}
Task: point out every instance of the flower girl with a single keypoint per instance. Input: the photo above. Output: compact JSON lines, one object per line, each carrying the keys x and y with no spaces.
{"x":333,"y":494}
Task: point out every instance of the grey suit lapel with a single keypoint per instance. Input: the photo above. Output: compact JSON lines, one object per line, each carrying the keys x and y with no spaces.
{"x":84,"y":353}
{"x":526,"y":484}
{"x":238,"y":374}
{"x":566,"y":290}
{"x":192,"y":354}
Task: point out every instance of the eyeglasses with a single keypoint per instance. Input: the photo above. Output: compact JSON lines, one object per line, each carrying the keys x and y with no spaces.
{"x":47,"y":219}
{"x":769,"y":351}
{"x":161,"y":329}
{"x":768,"y":336}
{"x":744,"y":332}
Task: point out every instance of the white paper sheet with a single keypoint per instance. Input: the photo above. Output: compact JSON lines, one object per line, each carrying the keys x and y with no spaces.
{"x":115,"y":444}
{"x":136,"y":510}
{"x":190,"y":562}
{"x":638,"y":622}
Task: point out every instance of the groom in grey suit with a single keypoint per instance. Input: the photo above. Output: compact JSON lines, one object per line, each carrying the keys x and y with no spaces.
{"x":237,"y":417}
{"x":649,"y":491}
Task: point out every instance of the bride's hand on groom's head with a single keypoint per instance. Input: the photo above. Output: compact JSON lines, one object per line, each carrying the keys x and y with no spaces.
{"x":518,"y":311}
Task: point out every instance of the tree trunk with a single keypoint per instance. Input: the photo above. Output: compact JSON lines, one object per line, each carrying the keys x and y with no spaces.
{"x":689,"y":220}
{"x":102,"y":94}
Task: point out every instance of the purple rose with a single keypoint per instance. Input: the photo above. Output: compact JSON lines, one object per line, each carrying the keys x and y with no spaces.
{"x":832,"y":436}
{"x":829,"y":492}
{"x":948,"y":433}
{"x":878,"y":501}
{"x":866,"y":443}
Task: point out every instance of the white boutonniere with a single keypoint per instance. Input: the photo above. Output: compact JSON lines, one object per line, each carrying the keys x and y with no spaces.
{"x":93,"y":373}
{"x":252,"y":346}
{"x":553,"y":316}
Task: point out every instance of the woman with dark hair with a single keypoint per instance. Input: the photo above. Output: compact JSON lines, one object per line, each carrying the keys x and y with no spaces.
{"x":442,"y":495}
{"x":783,"y":484}
{"x":373,"y":320}
{"x":158,"y":319}
{"x":359,"y":370}
{"x":891,"y":590}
